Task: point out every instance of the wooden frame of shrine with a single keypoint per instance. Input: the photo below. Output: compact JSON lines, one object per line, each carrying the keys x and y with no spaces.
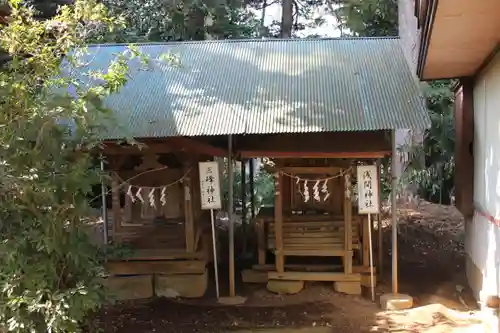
{"x":315,"y":216}
{"x":154,"y":210}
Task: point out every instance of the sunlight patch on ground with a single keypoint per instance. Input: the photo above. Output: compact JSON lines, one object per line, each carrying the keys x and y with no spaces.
{"x":433,"y":318}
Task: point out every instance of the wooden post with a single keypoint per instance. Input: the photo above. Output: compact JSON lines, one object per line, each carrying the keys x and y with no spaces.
{"x":366,"y":243}
{"x":188,"y":213}
{"x":244,"y":206}
{"x":261,"y":241}
{"x":380,"y":230}
{"x":278,"y":224}
{"x":348,"y":225}
{"x":230,"y":209}
{"x":251,"y":166}
{"x":394,"y":215}
{"x":104,"y":207}
{"x":115,"y":204}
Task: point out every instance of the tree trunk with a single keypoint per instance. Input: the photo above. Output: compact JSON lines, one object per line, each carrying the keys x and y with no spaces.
{"x":286,"y":19}
{"x":263,"y":29}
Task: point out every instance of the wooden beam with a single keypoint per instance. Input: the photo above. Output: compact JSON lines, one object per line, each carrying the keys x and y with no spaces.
{"x":165,"y":254}
{"x":251,"y":177}
{"x":243,"y":189}
{"x":366,"y":243}
{"x":261,"y":241}
{"x":310,"y":154}
{"x":200,"y":147}
{"x":304,"y":170}
{"x":115,"y":203}
{"x":167,"y":145}
{"x":348,"y":225}
{"x":278,"y":223}
{"x":156,"y":267}
{"x":314,"y":276}
{"x":188,"y":214}
{"x":230,"y":171}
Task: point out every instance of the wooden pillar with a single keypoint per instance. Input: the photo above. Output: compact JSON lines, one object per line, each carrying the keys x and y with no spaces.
{"x":394,"y":215}
{"x":380,"y":230}
{"x":230,"y":209}
{"x":104,"y":206}
{"x":278,"y":223}
{"x":366,"y":241}
{"x":348,"y":225}
{"x":188,"y":213}
{"x":115,"y":204}
{"x":251,"y":176}
{"x":261,"y":241}
{"x":244,"y":205}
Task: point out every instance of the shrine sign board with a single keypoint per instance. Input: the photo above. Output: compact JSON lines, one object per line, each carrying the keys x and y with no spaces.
{"x":210,"y":185}
{"x":368,"y":189}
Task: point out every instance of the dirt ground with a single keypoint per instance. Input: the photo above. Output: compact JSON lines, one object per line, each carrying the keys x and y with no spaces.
{"x":431,"y":269}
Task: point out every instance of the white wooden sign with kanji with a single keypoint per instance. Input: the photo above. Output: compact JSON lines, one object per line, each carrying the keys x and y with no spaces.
{"x":210,"y":185}
{"x":368,"y":189}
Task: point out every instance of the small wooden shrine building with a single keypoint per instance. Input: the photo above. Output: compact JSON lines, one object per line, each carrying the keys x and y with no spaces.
{"x":315,"y":213}
{"x":155,"y":213}
{"x":316,"y":107}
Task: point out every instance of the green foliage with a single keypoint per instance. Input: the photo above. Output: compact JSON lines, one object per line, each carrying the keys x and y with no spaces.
{"x":50,"y":270}
{"x":158,"y":20}
{"x":263,"y":189}
{"x":432,"y":165}
{"x":367,"y":18}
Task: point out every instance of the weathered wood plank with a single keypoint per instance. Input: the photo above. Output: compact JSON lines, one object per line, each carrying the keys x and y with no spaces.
{"x":348,"y":225}
{"x":159,"y":254}
{"x":314,"y":276}
{"x":115,"y":203}
{"x":188,"y":213}
{"x":315,"y":252}
{"x":278,"y":215}
{"x":261,"y":242}
{"x":156,"y":267}
{"x":298,"y":267}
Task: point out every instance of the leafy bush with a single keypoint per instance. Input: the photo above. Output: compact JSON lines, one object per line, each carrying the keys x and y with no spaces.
{"x":50,"y":271}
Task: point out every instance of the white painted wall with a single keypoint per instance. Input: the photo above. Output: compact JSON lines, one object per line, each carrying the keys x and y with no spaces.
{"x":482,"y":236}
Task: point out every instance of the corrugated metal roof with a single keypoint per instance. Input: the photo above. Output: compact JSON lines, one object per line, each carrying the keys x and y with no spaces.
{"x":267,"y":86}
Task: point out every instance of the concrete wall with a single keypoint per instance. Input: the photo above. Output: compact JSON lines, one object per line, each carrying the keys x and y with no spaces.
{"x":483,"y":236}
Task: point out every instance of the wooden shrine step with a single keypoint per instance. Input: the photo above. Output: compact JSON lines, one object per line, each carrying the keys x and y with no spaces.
{"x":164,"y":254}
{"x":156,"y":267}
{"x":314,"y":276}
{"x":299,"y":267}
{"x":310,"y":252}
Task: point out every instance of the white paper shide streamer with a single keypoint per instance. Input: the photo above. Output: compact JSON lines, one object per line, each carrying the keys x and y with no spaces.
{"x":306,"y":192}
{"x":138,"y":195}
{"x":316,"y":191}
{"x":151,"y":201}
{"x":131,"y":194}
{"x":151,"y":197}
{"x":324,"y":190}
{"x":163,"y":196}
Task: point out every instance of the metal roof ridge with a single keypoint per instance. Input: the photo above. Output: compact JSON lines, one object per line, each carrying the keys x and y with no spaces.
{"x":249,"y":40}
